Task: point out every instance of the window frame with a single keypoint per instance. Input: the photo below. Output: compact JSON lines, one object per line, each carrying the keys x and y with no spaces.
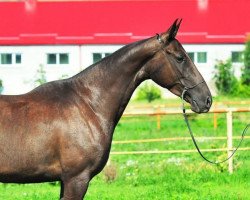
{"x":13,"y":59}
{"x":61,"y":61}
{"x":49,"y":56}
{"x":18,"y":54}
{"x":193,"y":55}
{"x":199,"y":60}
{"x":239,"y":57}
{"x":58,"y":59}
{"x":102,"y":55}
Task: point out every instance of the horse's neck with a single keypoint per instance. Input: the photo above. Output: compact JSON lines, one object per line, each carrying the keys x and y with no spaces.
{"x":111,"y":83}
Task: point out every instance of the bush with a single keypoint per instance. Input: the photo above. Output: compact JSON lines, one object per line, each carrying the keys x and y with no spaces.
{"x":1,"y":86}
{"x":148,"y":91}
{"x":242,"y":90}
{"x":225,"y":81}
{"x":245,"y":76}
{"x":40,"y":76}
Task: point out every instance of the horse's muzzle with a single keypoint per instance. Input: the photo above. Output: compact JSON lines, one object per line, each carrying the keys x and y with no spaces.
{"x":198,"y":105}
{"x":201,"y":107}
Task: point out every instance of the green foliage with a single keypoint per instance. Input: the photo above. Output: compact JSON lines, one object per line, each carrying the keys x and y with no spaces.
{"x":225,"y":81}
{"x":1,"y":86}
{"x":148,"y":91}
{"x":242,"y":90}
{"x":40,"y":76}
{"x":245,"y":77}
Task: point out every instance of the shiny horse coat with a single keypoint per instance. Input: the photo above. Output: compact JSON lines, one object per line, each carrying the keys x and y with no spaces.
{"x":62,"y":130}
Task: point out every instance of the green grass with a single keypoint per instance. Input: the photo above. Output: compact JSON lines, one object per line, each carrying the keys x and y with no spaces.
{"x":43,"y":191}
{"x":150,"y":180}
{"x":161,"y":180}
{"x":161,"y":176}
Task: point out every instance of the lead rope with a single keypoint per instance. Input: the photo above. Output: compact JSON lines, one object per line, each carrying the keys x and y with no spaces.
{"x":194,"y":141}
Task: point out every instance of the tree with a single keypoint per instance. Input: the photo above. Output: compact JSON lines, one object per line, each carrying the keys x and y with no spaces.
{"x":245,"y":75}
{"x":149,"y":92}
{"x":225,"y":81}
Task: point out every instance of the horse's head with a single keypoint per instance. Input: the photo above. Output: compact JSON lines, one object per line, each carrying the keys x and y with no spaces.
{"x":172,"y":68}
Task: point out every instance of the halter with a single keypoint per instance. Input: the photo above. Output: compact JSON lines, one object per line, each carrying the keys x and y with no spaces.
{"x":194,"y":141}
{"x":158,"y":37}
{"x":185,"y":90}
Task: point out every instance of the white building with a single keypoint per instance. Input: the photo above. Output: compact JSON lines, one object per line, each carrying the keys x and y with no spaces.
{"x":66,"y":37}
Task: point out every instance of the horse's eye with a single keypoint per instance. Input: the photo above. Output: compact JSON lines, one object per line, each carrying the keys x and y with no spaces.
{"x":180,"y":58}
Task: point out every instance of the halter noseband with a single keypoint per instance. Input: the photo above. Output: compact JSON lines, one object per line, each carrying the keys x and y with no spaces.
{"x":189,"y":88}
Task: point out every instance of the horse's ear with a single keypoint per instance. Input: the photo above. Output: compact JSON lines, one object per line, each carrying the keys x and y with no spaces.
{"x":172,"y":31}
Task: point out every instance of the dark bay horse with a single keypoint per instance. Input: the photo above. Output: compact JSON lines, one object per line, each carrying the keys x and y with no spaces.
{"x":62,"y":130}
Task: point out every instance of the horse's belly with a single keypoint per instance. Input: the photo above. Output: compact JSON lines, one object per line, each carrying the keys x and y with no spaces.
{"x":20,"y":178}
{"x":30,"y":174}
{"x":28,"y":168}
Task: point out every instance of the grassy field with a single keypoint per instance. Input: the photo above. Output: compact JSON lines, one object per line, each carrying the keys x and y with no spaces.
{"x":161,"y":176}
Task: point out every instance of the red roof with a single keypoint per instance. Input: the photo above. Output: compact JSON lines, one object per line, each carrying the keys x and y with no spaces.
{"x":120,"y":22}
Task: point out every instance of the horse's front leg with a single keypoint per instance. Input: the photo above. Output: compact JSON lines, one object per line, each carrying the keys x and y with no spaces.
{"x":74,"y":188}
{"x":61,"y":190}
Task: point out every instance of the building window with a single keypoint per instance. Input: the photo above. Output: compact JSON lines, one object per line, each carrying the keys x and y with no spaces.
{"x":51,"y":58}
{"x":237,"y":56}
{"x":201,"y":57}
{"x":10,"y":58}
{"x":198,"y":57}
{"x":18,"y":58}
{"x":107,"y":54}
{"x":64,"y":58}
{"x":191,"y":55}
{"x":57,"y":58}
{"x":98,"y":56}
{"x":6,"y":58}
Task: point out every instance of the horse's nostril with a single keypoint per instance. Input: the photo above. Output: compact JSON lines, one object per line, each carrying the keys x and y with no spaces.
{"x":208,"y":102}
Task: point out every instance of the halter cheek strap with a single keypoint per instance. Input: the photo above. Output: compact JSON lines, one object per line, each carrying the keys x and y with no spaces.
{"x":159,"y":38}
